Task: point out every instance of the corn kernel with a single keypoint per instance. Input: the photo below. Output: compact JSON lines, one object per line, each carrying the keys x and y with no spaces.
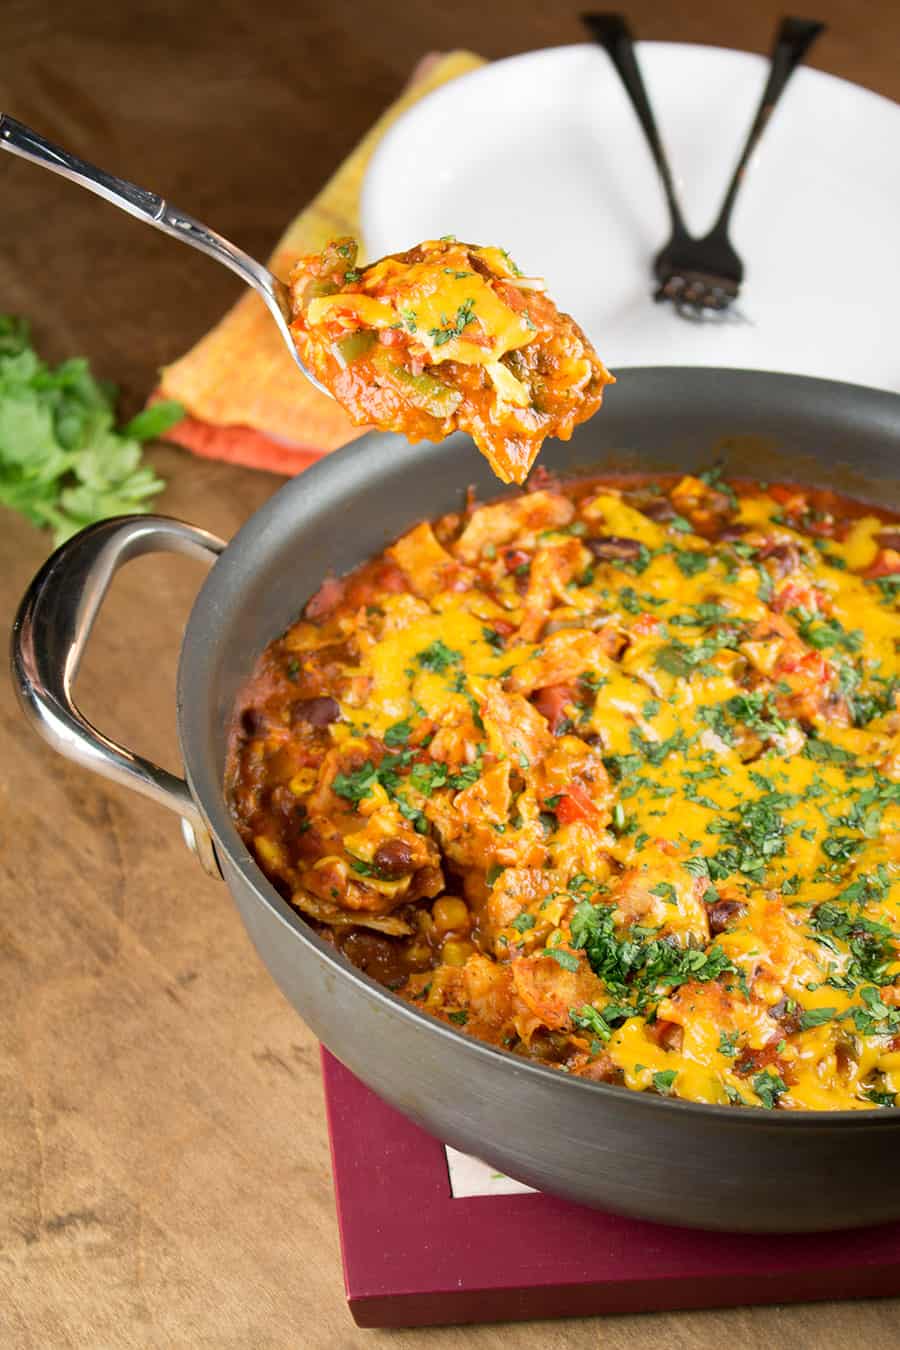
{"x":768,"y":990}
{"x":450,"y":915}
{"x":269,"y":851}
{"x":455,"y":953}
{"x":375,"y":800}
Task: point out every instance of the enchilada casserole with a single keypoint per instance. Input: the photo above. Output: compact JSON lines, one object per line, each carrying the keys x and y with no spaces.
{"x":446,"y":337}
{"x":607,"y":775}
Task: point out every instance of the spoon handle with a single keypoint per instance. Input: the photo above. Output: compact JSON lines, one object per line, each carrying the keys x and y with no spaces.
{"x":792,"y":41}
{"x":148,"y":207}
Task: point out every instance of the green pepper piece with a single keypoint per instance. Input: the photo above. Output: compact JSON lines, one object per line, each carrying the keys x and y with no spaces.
{"x":319,"y":286}
{"x":422,"y":391}
{"x":355,"y":345}
{"x":339,"y":256}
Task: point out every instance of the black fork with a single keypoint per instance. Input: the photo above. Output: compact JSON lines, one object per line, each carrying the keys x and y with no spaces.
{"x":700,"y":275}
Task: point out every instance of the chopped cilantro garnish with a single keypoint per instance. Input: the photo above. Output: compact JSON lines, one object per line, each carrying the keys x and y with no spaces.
{"x":587,"y":1018}
{"x":464,"y":316}
{"x":427,"y":777}
{"x":822,"y":633}
{"x":632,"y":965}
{"x":666,"y":891}
{"x":494,"y":638}
{"x":768,"y":1087}
{"x":356,"y":785}
{"x":840,"y":847}
{"x":567,"y":960}
{"x":890,"y":588}
{"x":826,"y":752}
{"x":681,"y":658}
{"x":397,"y":735}
{"x":366,"y":869}
{"x":691,"y":561}
{"x":753,"y":836}
{"x":438,"y":657}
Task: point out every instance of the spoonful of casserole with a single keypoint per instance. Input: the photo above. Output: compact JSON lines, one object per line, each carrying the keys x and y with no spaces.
{"x":446,"y":337}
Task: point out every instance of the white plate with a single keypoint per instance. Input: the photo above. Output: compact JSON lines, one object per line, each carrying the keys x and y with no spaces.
{"x":543,"y":155}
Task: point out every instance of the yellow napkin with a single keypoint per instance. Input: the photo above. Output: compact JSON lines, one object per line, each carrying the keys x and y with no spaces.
{"x":245,"y":399}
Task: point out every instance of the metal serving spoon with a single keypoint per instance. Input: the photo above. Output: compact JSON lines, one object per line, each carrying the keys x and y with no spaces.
{"x":154,"y":210}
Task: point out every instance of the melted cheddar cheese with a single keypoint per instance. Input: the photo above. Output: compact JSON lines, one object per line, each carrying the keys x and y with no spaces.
{"x":608,"y":776}
{"x":446,"y":337}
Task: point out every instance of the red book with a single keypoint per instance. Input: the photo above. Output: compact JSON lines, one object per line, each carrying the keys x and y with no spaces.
{"x":422,"y":1244}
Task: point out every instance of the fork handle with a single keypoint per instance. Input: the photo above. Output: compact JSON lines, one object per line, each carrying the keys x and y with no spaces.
{"x":148,"y":207}
{"x":611,"y":31}
{"x":792,"y":41}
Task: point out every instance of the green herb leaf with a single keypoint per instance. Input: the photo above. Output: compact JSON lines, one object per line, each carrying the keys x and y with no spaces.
{"x":634,"y":966}
{"x":728,"y":1043}
{"x":768,"y":1088}
{"x":522,"y":922}
{"x":816,"y":1017}
{"x":356,"y":785}
{"x":494,"y":638}
{"x":397,"y":735}
{"x":464,"y":316}
{"x":438,"y":657}
{"x":825,"y":752}
{"x":63,"y":464}
{"x":154,"y":421}
{"x":666,"y":891}
{"x":587,"y":1018}
{"x":691,"y":561}
{"x":562,"y":958}
{"x":427,"y":778}
{"x":664,"y":1080}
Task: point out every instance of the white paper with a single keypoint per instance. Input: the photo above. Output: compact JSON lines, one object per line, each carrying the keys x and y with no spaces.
{"x":471,"y":1176}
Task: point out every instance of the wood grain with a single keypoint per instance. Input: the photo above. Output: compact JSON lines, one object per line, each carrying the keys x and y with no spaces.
{"x":164,"y":1173}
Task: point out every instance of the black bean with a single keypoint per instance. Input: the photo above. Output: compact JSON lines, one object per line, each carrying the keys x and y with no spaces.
{"x":732,"y":533}
{"x":393,"y":858}
{"x":317,"y":712}
{"x":251,"y":722}
{"x":784,"y":554}
{"x":652,"y":504}
{"x":787,"y":1014}
{"x":613,"y":547}
{"x":721,"y":913}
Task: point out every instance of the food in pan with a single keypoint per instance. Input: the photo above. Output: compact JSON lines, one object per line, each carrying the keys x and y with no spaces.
{"x":608,"y":775}
{"x":443,"y":338}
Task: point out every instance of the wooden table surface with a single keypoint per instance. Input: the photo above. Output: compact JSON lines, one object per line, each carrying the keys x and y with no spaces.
{"x":164,"y":1170}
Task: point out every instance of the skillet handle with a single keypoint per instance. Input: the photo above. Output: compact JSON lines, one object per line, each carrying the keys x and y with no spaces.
{"x":49,"y":636}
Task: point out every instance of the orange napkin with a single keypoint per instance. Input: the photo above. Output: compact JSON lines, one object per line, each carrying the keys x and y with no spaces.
{"x":246,"y":400}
